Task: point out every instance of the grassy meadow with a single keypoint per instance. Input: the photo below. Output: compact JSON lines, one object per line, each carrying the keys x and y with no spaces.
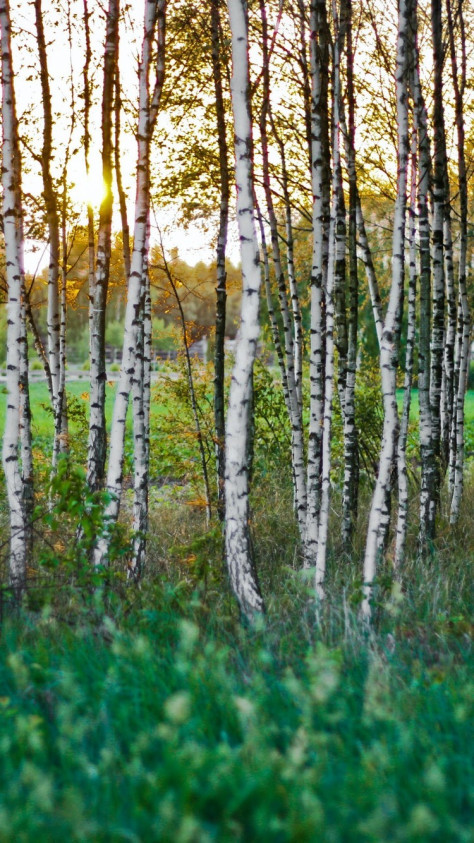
{"x":153,"y":714}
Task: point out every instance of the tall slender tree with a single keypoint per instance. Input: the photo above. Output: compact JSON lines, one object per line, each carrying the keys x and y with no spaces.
{"x":290,"y":317}
{"x":153,"y":49}
{"x":53,"y":226}
{"x":391,"y":330}
{"x":237,"y":539}
{"x":459,"y":78}
{"x":100,"y":279}
{"x":17,"y":360}
{"x":334,"y":305}
{"x":351,"y":455}
{"x":320,"y":188}
{"x":221,"y":286}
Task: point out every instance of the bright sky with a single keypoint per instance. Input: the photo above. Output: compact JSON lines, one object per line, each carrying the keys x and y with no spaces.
{"x":66,"y":53}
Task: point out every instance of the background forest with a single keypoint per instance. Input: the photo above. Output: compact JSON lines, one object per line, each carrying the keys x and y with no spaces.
{"x":235,"y":351}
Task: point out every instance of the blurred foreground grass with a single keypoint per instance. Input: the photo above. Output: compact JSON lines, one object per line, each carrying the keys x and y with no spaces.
{"x":157,"y":717}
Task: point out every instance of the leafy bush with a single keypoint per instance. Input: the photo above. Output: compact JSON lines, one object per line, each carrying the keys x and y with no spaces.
{"x":68,"y":527}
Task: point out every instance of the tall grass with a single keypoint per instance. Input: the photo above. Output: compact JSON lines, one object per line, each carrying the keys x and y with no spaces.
{"x":153,"y":714}
{"x":170,"y":723}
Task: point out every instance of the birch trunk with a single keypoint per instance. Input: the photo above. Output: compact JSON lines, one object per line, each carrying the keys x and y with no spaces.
{"x":221,"y":286}
{"x":237,"y":538}
{"x":147,"y":114}
{"x":62,"y":416}
{"x":351,"y":455}
{"x":97,"y":444}
{"x":335,"y":292}
{"x":87,"y":142}
{"x":464,"y":316}
{"x":391,"y":330}
{"x":448,"y":387}
{"x":16,"y":335}
{"x":366,"y":257}
{"x":52,"y":219}
{"x":141,"y":391}
{"x":319,"y":179}
{"x":402,"y":519}
{"x":428,"y":462}
{"x":438,"y":216}
{"x":293,"y":404}
{"x":25,"y":423}
{"x":122,"y":198}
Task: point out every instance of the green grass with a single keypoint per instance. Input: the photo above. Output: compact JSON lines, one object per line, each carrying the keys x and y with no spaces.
{"x":165,"y":722}
{"x":152,"y":714}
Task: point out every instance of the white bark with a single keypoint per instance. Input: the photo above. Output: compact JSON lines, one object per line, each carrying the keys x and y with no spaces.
{"x":402,"y":519}
{"x":141,"y":432}
{"x":437,"y":250}
{"x":390,"y":338}
{"x":335,"y":281}
{"x":237,"y":539}
{"x":428,"y":466}
{"x":53,"y":319}
{"x":15,"y":333}
{"x":448,"y":399}
{"x":351,"y":449}
{"x":464,"y":316}
{"x":148,"y":111}
{"x":318,"y":283}
{"x":292,"y":396}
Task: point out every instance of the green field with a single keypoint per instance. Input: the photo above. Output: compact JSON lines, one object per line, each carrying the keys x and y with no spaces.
{"x":42,"y":426}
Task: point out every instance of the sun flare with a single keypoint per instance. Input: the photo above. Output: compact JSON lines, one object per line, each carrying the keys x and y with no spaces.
{"x":89,"y":189}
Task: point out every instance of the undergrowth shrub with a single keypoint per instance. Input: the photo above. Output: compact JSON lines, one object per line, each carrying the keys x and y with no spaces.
{"x":68,"y":520}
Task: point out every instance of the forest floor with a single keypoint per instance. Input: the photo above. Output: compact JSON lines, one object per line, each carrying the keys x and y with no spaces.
{"x":153,"y":714}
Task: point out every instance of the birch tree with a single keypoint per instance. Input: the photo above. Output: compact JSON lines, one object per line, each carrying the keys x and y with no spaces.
{"x":237,"y":539}
{"x":459,"y":78}
{"x":290,"y":318}
{"x":53,"y":226}
{"x":97,"y":444}
{"x":427,"y":454}
{"x":221,"y":291}
{"x":149,"y":103}
{"x":403,"y":496}
{"x":335,"y":291}
{"x":16,"y":332}
{"x":351,"y":456}
{"x":320,"y":188}
{"x":438,"y":218}
{"x":391,"y":329}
